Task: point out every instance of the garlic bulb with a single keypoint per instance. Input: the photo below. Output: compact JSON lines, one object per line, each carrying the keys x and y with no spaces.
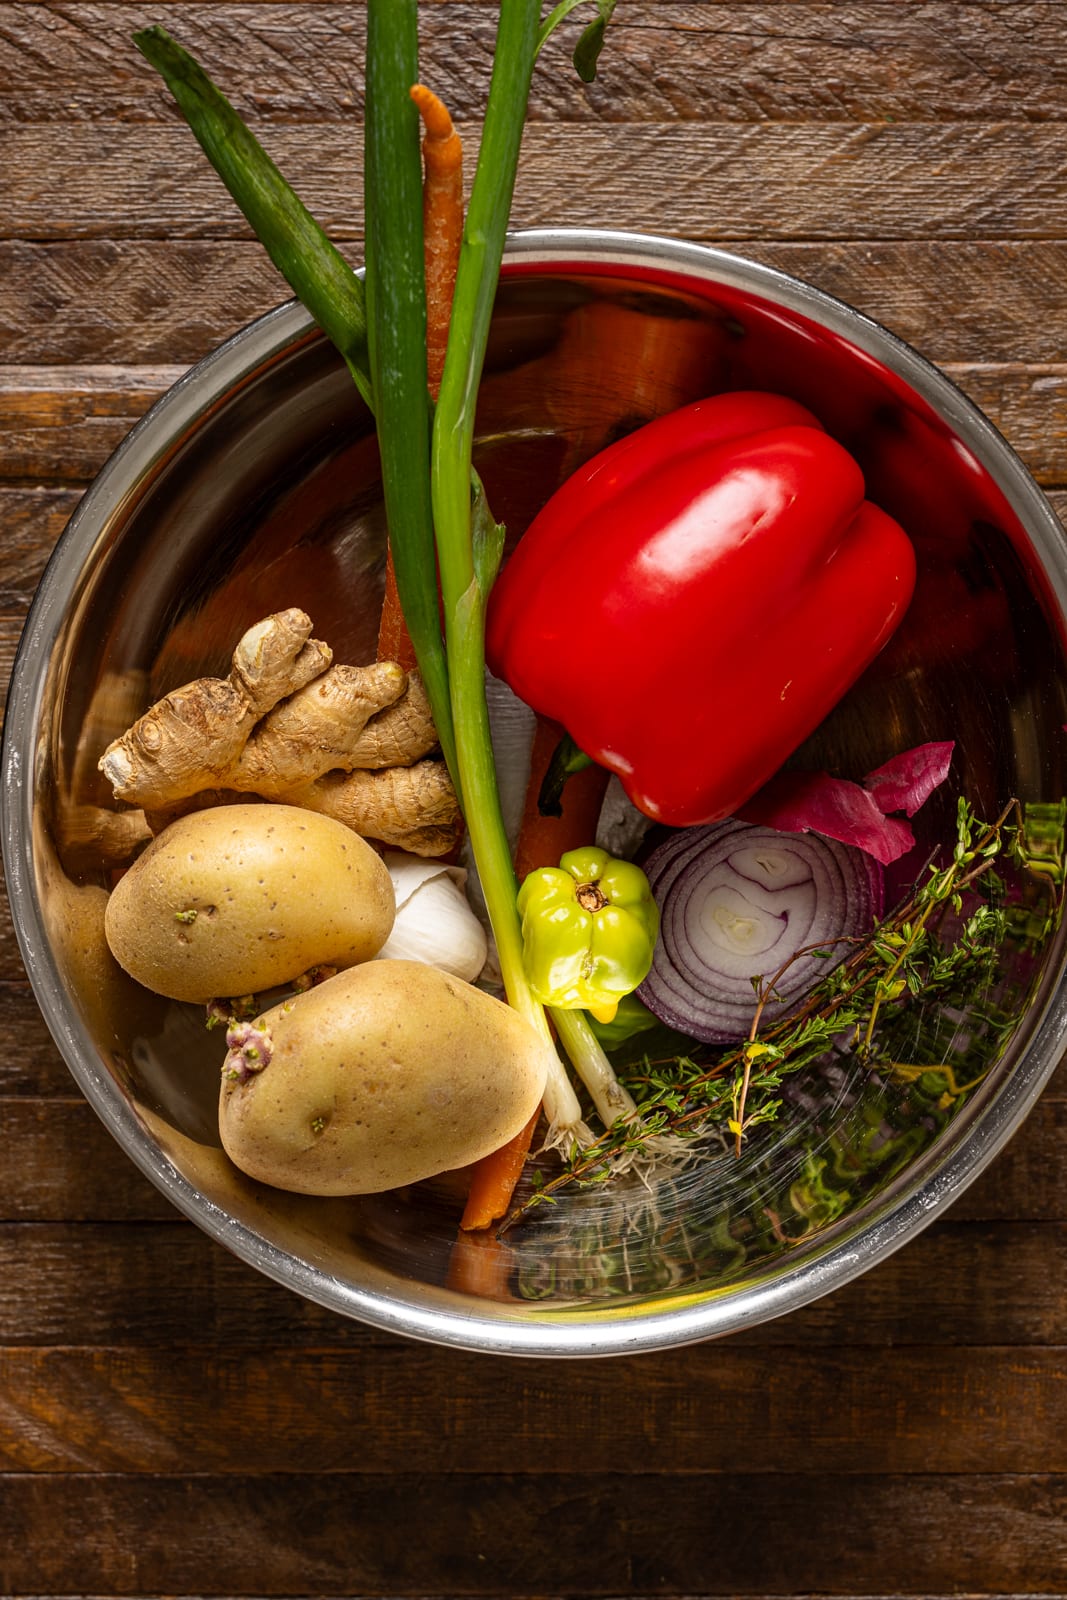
{"x":434,"y":923}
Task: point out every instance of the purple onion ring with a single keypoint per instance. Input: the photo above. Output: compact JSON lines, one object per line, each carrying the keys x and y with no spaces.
{"x":736,"y":902}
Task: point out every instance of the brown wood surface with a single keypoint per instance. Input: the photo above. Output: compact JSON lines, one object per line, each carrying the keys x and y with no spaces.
{"x":170,"y":1421}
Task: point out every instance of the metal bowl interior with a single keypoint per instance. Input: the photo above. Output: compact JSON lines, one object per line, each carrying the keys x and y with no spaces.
{"x":254,"y":485}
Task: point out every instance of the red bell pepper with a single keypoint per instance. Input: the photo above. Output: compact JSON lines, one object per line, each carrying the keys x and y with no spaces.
{"x":696,"y":599}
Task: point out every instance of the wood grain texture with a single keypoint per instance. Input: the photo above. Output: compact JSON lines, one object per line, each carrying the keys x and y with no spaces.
{"x":741,"y":63}
{"x":507,"y":1533}
{"x":69,"y":1168}
{"x":700,"y":180}
{"x":190,"y":1411}
{"x":150,"y":302}
{"x":62,"y":423}
{"x":32,"y":1065}
{"x":171,"y":1421}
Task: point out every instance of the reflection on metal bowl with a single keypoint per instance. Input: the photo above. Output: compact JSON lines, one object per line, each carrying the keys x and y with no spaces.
{"x":254,"y":484}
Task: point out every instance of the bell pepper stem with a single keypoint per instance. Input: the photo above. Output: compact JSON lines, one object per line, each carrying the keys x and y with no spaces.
{"x":567,"y":759}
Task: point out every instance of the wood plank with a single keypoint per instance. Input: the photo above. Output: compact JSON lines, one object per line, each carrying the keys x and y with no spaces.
{"x":318,"y":1411}
{"x":958,"y":1284}
{"x":1026,"y":1179}
{"x":12,"y":971}
{"x":146,"y":302}
{"x":706,"y":180}
{"x":97,"y":302}
{"x":70,"y":1169}
{"x":62,"y":423}
{"x":1028,"y":405}
{"x":510,"y":1534}
{"x":31,"y":520}
{"x":11,"y":967}
{"x":30,"y":1064}
{"x":12,"y":621}
{"x":747,"y":63}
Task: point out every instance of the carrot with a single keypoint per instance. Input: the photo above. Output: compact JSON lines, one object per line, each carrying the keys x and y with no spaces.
{"x":481,"y":1265}
{"x":541,"y":842}
{"x":442,"y":221}
{"x":494,"y":1178}
{"x":394,"y":640}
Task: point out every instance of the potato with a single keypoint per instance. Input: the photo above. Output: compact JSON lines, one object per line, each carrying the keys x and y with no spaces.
{"x":235,"y":899}
{"x":381,"y":1076}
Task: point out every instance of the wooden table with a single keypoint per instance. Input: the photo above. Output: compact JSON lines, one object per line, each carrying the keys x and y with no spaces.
{"x":172,"y":1422}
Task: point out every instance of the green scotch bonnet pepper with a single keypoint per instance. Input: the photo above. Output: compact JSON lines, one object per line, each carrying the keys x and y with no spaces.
{"x":589,"y":927}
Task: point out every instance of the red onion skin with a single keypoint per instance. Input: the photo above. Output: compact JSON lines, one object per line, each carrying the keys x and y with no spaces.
{"x":845,"y":888}
{"x":837,"y":808}
{"x":908,"y":780}
{"x":834,"y":808}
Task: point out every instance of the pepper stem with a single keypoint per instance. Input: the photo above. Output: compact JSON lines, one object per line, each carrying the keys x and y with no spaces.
{"x":567,"y":759}
{"x":590,"y":897}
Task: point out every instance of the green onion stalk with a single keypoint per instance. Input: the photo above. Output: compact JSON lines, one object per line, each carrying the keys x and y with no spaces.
{"x":396,"y":328}
{"x":438,"y":520}
{"x":468,"y":563}
{"x":315,"y":270}
{"x":334,"y":294}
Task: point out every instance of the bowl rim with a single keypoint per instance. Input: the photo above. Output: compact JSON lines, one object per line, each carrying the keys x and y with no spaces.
{"x":625,"y":1327}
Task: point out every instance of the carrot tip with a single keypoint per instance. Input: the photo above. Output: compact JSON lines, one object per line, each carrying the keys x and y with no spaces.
{"x":433,"y":111}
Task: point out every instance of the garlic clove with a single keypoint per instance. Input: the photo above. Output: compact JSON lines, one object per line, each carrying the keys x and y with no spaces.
{"x":434,"y":922}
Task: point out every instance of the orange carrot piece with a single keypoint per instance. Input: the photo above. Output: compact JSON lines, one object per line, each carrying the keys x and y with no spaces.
{"x":394,"y":640}
{"x":442,"y":213}
{"x":494,"y":1178}
{"x":481,"y":1265}
{"x":541,"y":842}
{"x":442,"y":222}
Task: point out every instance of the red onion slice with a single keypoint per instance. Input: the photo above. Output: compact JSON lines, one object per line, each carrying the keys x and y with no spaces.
{"x":736,"y":902}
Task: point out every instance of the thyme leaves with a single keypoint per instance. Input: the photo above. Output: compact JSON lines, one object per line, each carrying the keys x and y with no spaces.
{"x":933,"y":995}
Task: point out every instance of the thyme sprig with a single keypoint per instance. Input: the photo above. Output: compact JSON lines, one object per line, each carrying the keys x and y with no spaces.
{"x":929,"y":977}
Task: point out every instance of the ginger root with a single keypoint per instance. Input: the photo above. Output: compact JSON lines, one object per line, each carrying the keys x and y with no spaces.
{"x":90,"y":835}
{"x":193,"y":736}
{"x":315,"y":730}
{"x":373,"y":716}
{"x":286,"y":725}
{"x":410,"y":808}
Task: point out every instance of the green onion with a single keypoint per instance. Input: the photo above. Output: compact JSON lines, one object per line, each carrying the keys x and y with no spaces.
{"x":396,"y":305}
{"x":434,"y":500}
{"x":467,"y":565}
{"x":587,"y":50}
{"x":314,"y":269}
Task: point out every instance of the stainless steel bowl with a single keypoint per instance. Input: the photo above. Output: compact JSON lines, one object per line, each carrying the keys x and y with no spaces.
{"x":252,"y":485}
